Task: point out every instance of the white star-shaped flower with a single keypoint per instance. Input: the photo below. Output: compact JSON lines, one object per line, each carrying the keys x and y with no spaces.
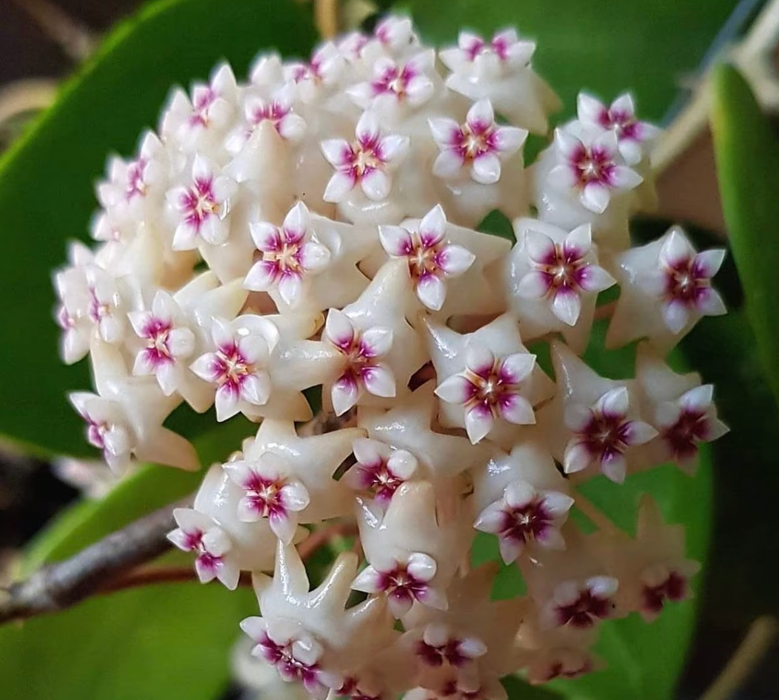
{"x":289,"y":479}
{"x":593,"y":424}
{"x":679,"y":407}
{"x":499,"y":70}
{"x":488,"y":382}
{"x":553,"y":279}
{"x":522,"y":498}
{"x":665,"y":290}
{"x":310,"y":261}
{"x":124,"y":419}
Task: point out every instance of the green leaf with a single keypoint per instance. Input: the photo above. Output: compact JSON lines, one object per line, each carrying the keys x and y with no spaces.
{"x":643,"y":660}
{"x":606,"y":47}
{"x":46,"y":180}
{"x":747,"y":154}
{"x":164,"y":642}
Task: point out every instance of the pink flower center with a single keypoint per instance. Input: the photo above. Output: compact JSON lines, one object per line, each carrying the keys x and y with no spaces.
{"x":683,"y":436}
{"x":203,"y":99}
{"x":96,"y":431}
{"x":622,"y":123}
{"x":450,"y":690}
{"x":606,"y":434}
{"x":394,"y":80}
{"x":564,"y":267}
{"x":379,"y":480}
{"x":230,"y":367}
{"x":490,"y":388}
{"x":559,"y":670}
{"x":287,"y":258}
{"x":350,"y":689}
{"x":136,"y":186}
{"x":526,"y":523}
{"x":362,"y":157}
{"x":273,"y":112}
{"x":585,"y":611}
{"x":497,"y":46}
{"x":157,"y":334}
{"x":193,"y":542}
{"x":64,"y":319}
{"x":686,"y":282}
{"x":474,"y":139}
{"x":360,"y":358}
{"x":265,"y":495}
{"x":674,"y":588}
{"x":290,"y":668}
{"x":436,"y":655}
{"x":199,"y":202}
{"x":592,"y":165}
{"x":98,"y":310}
{"x":401,"y":584}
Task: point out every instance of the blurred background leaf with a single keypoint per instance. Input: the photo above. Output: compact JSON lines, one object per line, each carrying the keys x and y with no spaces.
{"x":47,"y":179}
{"x":606,"y":47}
{"x":747,"y":156}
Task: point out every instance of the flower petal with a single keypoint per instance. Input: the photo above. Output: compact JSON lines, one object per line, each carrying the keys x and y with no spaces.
{"x":421,"y":566}
{"x":517,"y":367}
{"x":339,"y":186}
{"x":376,"y":341}
{"x":577,"y":457}
{"x":339,"y":329}
{"x":344,"y":395}
{"x":455,"y":389}
{"x":486,"y":169}
{"x":396,"y":241}
{"x":478,"y":424}
{"x":454,"y":260}
{"x":431,"y":291}
{"x":534,"y":285}
{"x":379,"y":380}
{"x":595,"y":197}
{"x":376,"y":185}
{"x":566,"y":305}
{"x":517,"y":410}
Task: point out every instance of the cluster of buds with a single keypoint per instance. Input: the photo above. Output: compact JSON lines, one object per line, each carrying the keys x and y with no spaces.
{"x":317,"y":227}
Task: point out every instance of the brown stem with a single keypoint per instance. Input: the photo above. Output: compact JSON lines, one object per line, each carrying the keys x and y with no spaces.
{"x":63,"y":584}
{"x":112,"y":565}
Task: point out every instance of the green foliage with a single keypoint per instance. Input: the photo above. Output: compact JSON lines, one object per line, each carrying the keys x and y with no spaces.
{"x":606,"y":47}
{"x":46,"y":180}
{"x":747,"y":156}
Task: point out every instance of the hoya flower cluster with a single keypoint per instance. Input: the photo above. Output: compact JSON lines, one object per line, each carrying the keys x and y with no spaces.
{"x":317,"y":227}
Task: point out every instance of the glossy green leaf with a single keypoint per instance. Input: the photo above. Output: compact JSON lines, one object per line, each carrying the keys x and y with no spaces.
{"x":643,"y":661}
{"x":606,"y":47}
{"x":46,"y":180}
{"x":164,"y":642}
{"x":747,"y":154}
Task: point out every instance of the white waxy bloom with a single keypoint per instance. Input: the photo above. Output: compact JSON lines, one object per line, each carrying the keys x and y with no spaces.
{"x":124,"y":419}
{"x":238,"y":365}
{"x":310,"y":635}
{"x":679,"y":407}
{"x":289,"y":257}
{"x":367,"y":162}
{"x":479,"y":145}
{"x":553,"y":279}
{"x":200,"y":122}
{"x":431,"y":258}
{"x":590,"y":171}
{"x":407,"y":428}
{"x":499,"y":70}
{"x":201,"y":207}
{"x":488,"y":380}
{"x":200,"y":534}
{"x":413,"y":548}
{"x":168,"y":342}
{"x":666,"y":289}
{"x":593,"y":424}
{"x":634,"y":136}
